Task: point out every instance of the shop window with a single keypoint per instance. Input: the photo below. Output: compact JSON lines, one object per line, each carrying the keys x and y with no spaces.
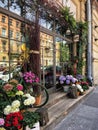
{"x":4,"y":45}
{"x":3,"y":32}
{"x":3,"y":19}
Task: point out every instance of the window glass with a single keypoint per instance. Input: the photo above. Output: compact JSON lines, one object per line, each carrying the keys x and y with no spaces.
{"x":4,"y":32}
{"x":3,"y":19}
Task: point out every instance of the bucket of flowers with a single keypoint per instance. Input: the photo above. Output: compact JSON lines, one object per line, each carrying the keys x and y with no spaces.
{"x":67,"y":81}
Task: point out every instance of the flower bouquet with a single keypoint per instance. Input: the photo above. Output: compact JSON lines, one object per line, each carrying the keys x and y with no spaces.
{"x":13,"y":99}
{"x":85,"y":85}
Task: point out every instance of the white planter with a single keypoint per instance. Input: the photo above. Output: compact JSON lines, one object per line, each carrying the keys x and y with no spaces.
{"x":65,"y":88}
{"x":36,"y":127}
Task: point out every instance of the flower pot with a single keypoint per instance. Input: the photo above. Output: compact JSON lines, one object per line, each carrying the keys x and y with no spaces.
{"x":36,"y":127}
{"x":65,"y":88}
{"x":21,"y":128}
{"x":38,"y":100}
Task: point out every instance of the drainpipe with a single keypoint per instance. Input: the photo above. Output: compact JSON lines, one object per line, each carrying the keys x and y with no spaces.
{"x":89,"y":45}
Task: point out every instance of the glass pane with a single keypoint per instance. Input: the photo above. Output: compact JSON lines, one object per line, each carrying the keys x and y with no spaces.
{"x":4,"y":55}
{"x":46,"y":59}
{"x":15,"y":50}
{"x":62,"y":54}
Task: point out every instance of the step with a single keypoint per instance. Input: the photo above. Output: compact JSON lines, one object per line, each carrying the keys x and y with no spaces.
{"x":60,"y":107}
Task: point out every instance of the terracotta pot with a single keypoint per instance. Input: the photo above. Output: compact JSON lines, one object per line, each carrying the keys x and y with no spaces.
{"x":38,"y":100}
{"x":78,"y":93}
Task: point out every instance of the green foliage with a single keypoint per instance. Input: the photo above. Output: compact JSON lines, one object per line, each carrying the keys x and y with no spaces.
{"x":30,"y":118}
{"x":64,"y":53}
{"x":68,"y":16}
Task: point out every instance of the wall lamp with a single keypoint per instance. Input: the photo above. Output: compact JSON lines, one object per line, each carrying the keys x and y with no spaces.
{"x":96,"y":26}
{"x":96,"y":39}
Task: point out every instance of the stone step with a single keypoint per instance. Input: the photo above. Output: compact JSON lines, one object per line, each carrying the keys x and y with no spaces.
{"x":59,"y":106}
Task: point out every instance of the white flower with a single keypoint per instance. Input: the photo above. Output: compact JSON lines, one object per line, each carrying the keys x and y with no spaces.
{"x":79,"y":87}
{"x":16,"y":104}
{"x":13,"y":109}
{"x":27,"y":95}
{"x":7,"y":110}
{"x":27,"y":102}
{"x":32,"y":100}
{"x":73,"y":85}
{"x":19,"y":93}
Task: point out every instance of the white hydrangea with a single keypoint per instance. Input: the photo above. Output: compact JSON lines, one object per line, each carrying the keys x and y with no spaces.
{"x":32,"y":100}
{"x":29,"y":101}
{"x":7,"y":110}
{"x":13,"y":109}
{"x":16,"y":104}
{"x":27,"y":95}
{"x":79,"y":87}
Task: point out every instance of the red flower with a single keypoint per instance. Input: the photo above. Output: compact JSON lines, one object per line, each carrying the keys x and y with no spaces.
{"x":14,"y":120}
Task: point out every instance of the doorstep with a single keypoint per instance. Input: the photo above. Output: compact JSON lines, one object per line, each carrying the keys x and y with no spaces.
{"x":59,"y":105}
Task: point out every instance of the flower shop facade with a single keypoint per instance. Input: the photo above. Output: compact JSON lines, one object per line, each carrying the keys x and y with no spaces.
{"x":15,"y":40}
{"x":38,"y":48}
{"x":51,"y":48}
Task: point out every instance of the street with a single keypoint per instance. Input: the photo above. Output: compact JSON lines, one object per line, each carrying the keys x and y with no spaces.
{"x":84,"y":116}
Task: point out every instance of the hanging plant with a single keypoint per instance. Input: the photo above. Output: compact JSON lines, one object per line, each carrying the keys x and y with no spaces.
{"x":82,"y":31}
{"x":68,"y":16}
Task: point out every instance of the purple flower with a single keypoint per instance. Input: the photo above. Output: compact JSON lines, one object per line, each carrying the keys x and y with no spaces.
{"x":68,"y":77}
{"x":74,"y":80}
{"x":67,"y":81}
{"x":61,"y":82}
{"x":62,"y":78}
{"x":30,"y":77}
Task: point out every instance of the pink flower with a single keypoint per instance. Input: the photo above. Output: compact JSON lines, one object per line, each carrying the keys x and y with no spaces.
{"x":8,"y":87}
{"x":19,"y":87}
{"x":1,"y":122}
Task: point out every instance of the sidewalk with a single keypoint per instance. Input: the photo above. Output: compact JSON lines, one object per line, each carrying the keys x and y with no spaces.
{"x":59,"y":105}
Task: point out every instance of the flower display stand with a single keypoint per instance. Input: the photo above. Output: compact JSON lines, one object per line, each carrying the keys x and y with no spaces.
{"x":36,"y":127}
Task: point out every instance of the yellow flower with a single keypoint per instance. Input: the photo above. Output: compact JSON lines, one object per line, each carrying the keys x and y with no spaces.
{"x":19,"y":93}
{"x":1,"y":128}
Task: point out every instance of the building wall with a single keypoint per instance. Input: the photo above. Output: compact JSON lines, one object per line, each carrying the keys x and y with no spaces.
{"x":95,"y":41}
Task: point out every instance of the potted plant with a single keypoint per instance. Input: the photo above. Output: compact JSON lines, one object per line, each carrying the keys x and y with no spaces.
{"x":32,"y":80}
{"x":31,"y":120}
{"x":67,"y":81}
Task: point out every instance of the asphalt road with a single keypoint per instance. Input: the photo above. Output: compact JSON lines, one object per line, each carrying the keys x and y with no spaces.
{"x":84,"y":116}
